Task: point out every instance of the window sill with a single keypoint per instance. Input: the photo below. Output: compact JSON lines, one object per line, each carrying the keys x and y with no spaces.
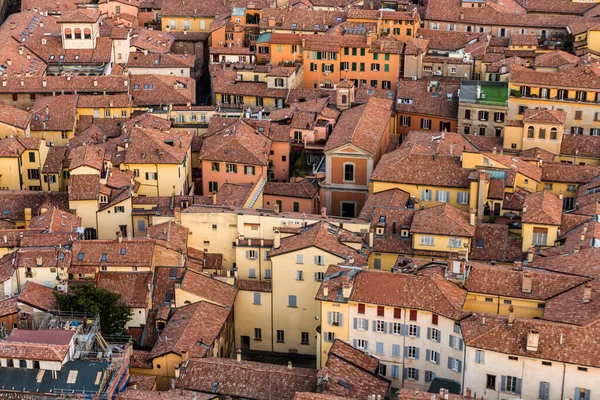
{"x":280,"y":341}
{"x":304,"y":344}
{"x":257,"y":340}
{"x":292,"y":306}
{"x":257,"y":304}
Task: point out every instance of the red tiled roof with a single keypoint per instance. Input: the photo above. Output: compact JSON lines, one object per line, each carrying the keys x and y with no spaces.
{"x":55,"y":220}
{"x":14,"y":117}
{"x":38,"y":296}
{"x":132,"y":286}
{"x":171,"y":234}
{"x":542,"y":208}
{"x":84,"y":187}
{"x":191,"y":329}
{"x":246,"y":379}
{"x":153,"y":146}
{"x":443,"y":220}
{"x":492,"y":242}
{"x":8,"y":307}
{"x":391,"y":198}
{"x":128,"y":253}
{"x":535,"y":116}
{"x":304,"y":189}
{"x":558,"y":172}
{"x":209,"y":289}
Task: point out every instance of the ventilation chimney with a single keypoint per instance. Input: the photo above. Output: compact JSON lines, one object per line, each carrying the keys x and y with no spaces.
{"x":530,"y":252}
{"x":239,"y":355}
{"x":290,"y":367}
{"x":533,"y":339}
{"x":511,"y":316}
{"x":276,"y":239}
{"x":587,"y":293}
{"x":346,"y":289}
{"x":526,"y":282}
{"x":277,"y":209}
{"x":39,"y":261}
{"x":473,"y":216}
{"x":323,"y":212}
{"x":325,"y":291}
{"x":518,"y":266}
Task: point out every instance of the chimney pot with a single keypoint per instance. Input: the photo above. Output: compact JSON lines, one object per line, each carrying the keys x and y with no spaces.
{"x":325,"y":291}
{"x":346,"y":289}
{"x":323,"y":212}
{"x":290,"y":365}
{"x":239,"y":355}
{"x":527,"y":282}
{"x":587,"y":293}
{"x":533,"y":339}
{"x":518,"y":266}
{"x":511,"y":316}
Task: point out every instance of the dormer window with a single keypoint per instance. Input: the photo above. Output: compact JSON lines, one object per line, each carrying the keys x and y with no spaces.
{"x":80,"y":256}
{"x":404,"y":232}
{"x":77,"y":33}
{"x":123,"y":251}
{"x":379,"y":231}
{"x":52,"y":56}
{"x":104,"y":257}
{"x":68,"y":33}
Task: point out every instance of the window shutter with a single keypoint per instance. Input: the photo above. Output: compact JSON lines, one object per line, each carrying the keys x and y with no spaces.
{"x":451,"y":341}
{"x":332,"y":67}
{"x":428,"y":333}
{"x":460,"y":344}
{"x":247,"y":254}
{"x":366,"y":345}
{"x":316,"y":276}
{"x":544,"y":391}
{"x":355,"y":324}
{"x":418,"y":331}
{"x":404,"y":330}
{"x":405,"y":373}
{"x":519,"y":381}
{"x":459,"y":366}
{"x":146,"y":176}
{"x":416,"y":374}
{"x":316,"y":259}
{"x":478,"y":356}
{"x":354,"y":344}
{"x":385,"y":327}
{"x":482,"y":357}
{"x":395,"y":350}
{"x":405,"y":351}
{"x":449,"y":362}
{"x":256,"y":298}
{"x":322,"y":67}
{"x":365,"y":325}
{"x":374,"y":325}
{"x":503,"y":384}
{"x":341,"y":318}
{"x":427,"y":357}
{"x":417,"y":353}
{"x":588,"y":394}
{"x":156,"y":175}
{"x":329,"y":318}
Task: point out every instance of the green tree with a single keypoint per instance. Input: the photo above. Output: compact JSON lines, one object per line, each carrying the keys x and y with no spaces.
{"x":97,"y":301}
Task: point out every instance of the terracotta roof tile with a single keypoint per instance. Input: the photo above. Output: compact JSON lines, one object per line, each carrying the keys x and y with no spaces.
{"x":55,"y":220}
{"x":236,"y":143}
{"x":544,"y":116}
{"x":542,"y":208}
{"x":191,"y":329}
{"x":153,"y":146}
{"x":253,"y":285}
{"x":152,"y":40}
{"x":492,"y":243}
{"x":209,"y":289}
{"x":110,"y":252}
{"x":580,"y":145}
{"x":8,"y":307}
{"x":569,"y":173}
{"x":443,"y":220}
{"x":391,"y":198}
{"x":55,"y":160}
{"x":305,"y":189}
{"x":84,"y":15}
{"x":14,"y":202}
{"x":132,"y":286}
{"x":246,"y":379}
{"x":84,"y":187}
{"x":555,"y":59}
{"x":171,"y":234}
{"x":38,"y":296}
{"x":14,"y":117}
{"x":236,"y":194}
{"x":162,"y":90}
{"x":442,"y":102}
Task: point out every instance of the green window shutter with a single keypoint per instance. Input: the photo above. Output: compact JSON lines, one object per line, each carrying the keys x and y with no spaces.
{"x":146,"y":176}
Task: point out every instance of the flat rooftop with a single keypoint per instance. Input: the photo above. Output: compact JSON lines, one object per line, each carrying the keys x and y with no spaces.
{"x":491,"y":93}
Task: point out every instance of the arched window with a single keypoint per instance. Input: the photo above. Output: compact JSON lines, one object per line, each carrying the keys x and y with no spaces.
{"x":77,"y":33}
{"x":553,"y":134}
{"x":344,"y":99}
{"x":87,"y":33}
{"x":530,"y":132}
{"x":68,"y":33}
{"x":542,"y":134}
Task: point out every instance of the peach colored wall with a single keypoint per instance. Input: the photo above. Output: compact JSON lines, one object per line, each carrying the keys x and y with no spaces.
{"x":287,"y":204}
{"x":285,"y":55}
{"x":208,"y":175}
{"x":415,"y":123}
{"x":110,"y":8}
{"x":338,"y":197}
{"x":281,"y":169}
{"x":360,"y":170}
{"x":308,"y":133}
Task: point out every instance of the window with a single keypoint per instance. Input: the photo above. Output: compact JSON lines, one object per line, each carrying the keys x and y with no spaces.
{"x":249,"y":170}
{"x":544,"y":393}
{"x":299,"y":275}
{"x":455,"y":243}
{"x":578,"y":115}
{"x":329,"y":336}
{"x":442,"y":196}
{"x":304,"y":338}
{"x":215,"y":166}
{"x":31,"y":157}
{"x":257,"y":334}
{"x":547,"y":186}
{"x":348,"y":172}
{"x":483,"y":115}
{"x":361,"y":324}
{"x":279,"y":82}
{"x":334,"y":318}
{"x":77,"y":33}
{"x":427,"y":241}
{"x":414,"y":330}
{"x":571,"y":188}
{"x":454,"y":364}
{"x":582,"y":394}
{"x":380,"y":311}
{"x":296,"y":206}
{"x":50,"y":178}
{"x":412,"y":374}
{"x":231,"y":168}
{"x":252,"y":273}
{"x":434,"y":334}
{"x":467,"y":114}
{"x":397,"y":313}
{"x":433,"y":356}
{"x":33,"y":173}
{"x":462,"y":197}
{"x":395,"y":372}
{"x":413,"y":315}
{"x":374,"y":66}
{"x":361,"y":308}
{"x":553,"y":134}
{"x":380,"y":326}
{"x":425,"y":123}
{"x":319,"y":276}
{"x":251,"y":254}
{"x":405,"y":120}
{"x":540,"y":236}
{"x":397,"y":328}
{"x":499,"y":117}
{"x":434,"y":319}
{"x":479,"y":356}
{"x":426,"y":195}
{"x":395,"y":350}
{"x":119,"y":209}
{"x":151,"y":176}
{"x":490,"y":382}
{"x":292,"y":301}
{"x":213,"y":186}
{"x":379,"y":348}
{"x":299,"y":259}
{"x":511,"y":384}
{"x":267,"y":274}
{"x":257,"y":298}
{"x":482,"y":131}
{"x":522,"y":110}
{"x":456,"y":342}
{"x":542,"y":133}
{"x":280,"y":336}
{"x":360,"y":344}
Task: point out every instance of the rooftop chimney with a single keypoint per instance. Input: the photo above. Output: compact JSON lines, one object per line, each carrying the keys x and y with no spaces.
{"x":518,"y":266}
{"x":560,"y":195}
{"x":511,"y":316}
{"x":325,"y":291}
{"x":277,"y":209}
{"x":323,"y":212}
{"x":290,"y":365}
{"x":214,"y":198}
{"x":481,"y":196}
{"x":530,"y":253}
{"x":39,"y":261}
{"x":473,"y":216}
{"x":276,"y":239}
{"x":120,"y":237}
{"x":526,"y":282}
{"x":346,"y":289}
{"x":533,"y":339}
{"x":239,"y":355}
{"x":587,"y":293}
